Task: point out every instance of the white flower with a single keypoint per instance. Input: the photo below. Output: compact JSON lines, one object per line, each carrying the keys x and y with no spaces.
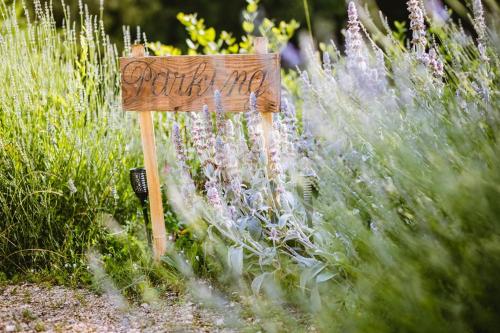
{"x":417,"y":26}
{"x":353,"y":40}
{"x":71,"y":186}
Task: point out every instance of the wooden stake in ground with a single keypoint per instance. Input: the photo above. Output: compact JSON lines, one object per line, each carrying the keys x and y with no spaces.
{"x":150,"y":164}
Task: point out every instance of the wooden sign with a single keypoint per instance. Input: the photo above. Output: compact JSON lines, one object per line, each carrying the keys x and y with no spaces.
{"x":186,"y":83}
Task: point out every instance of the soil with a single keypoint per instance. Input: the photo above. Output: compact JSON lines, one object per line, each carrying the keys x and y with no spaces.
{"x":40,"y":308}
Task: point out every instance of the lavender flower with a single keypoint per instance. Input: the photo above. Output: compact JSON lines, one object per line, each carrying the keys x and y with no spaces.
{"x":220,"y":154}
{"x":435,"y":63}
{"x":199,"y":136}
{"x":353,"y":40}
{"x":432,"y":61}
{"x":480,"y":27}
{"x":417,"y":27}
{"x":208,"y":127}
{"x":240,"y":143}
{"x":274,"y":235}
{"x":229,"y":130}
{"x":274,"y":157}
{"x":289,"y":120}
{"x":219,"y":114}
{"x":179,"y":148}
{"x":479,"y":24}
{"x":213,"y":196}
{"x":253,"y":124}
{"x":232,"y":170}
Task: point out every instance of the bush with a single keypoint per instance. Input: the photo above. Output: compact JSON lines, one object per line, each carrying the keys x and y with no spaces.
{"x":63,"y":141}
{"x":381,"y":213}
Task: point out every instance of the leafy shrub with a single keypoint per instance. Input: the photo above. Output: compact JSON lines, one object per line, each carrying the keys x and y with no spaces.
{"x":63,"y":141}
{"x":381,"y":213}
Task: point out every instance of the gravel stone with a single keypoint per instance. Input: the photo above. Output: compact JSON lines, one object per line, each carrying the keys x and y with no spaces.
{"x":38,"y":308}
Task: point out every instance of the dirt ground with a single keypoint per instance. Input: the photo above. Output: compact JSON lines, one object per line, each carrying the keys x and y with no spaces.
{"x":39,"y":308}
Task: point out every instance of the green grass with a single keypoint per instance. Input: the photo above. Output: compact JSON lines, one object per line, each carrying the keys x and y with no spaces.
{"x":63,"y":160}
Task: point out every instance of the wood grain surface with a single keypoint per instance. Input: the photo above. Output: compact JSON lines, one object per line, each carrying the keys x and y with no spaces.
{"x":186,"y":83}
{"x":152,"y":176}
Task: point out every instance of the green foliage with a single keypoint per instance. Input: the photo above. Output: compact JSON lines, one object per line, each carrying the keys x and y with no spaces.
{"x":63,"y":161}
{"x":206,"y":40}
{"x":400,"y":32}
{"x":403,"y":233}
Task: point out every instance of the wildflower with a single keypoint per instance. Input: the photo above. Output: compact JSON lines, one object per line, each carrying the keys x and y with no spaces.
{"x":256,"y":200}
{"x":232,"y":170}
{"x":435,"y":63}
{"x":71,"y":186}
{"x":220,"y":154}
{"x":417,"y":27}
{"x":199,"y":136}
{"x":186,"y":182}
{"x":274,"y":158}
{"x":229,"y":130}
{"x":179,"y":149}
{"x":274,"y":235}
{"x":232,"y":211}
{"x":289,"y":120}
{"x":432,"y":61}
{"x":253,"y":124}
{"x":208,"y":127}
{"x":480,"y":27}
{"x":138,"y":35}
{"x":353,"y":40}
{"x":127,"y":40}
{"x":220,"y":119}
{"x":213,"y":196}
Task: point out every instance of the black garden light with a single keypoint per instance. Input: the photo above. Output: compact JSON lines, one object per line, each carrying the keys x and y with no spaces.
{"x":140,"y":186}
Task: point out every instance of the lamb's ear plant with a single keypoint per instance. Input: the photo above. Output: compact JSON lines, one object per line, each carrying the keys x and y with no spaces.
{"x":404,"y":232}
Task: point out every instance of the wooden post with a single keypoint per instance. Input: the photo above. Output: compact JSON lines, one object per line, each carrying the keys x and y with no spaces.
{"x":260,"y":46}
{"x":153,"y":178}
{"x":146,"y":87}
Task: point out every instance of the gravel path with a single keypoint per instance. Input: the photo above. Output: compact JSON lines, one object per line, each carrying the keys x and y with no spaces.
{"x":38,"y":308}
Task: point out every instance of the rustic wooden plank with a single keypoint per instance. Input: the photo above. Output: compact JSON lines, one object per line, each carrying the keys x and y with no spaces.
{"x":152,"y":176}
{"x":186,"y":83}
